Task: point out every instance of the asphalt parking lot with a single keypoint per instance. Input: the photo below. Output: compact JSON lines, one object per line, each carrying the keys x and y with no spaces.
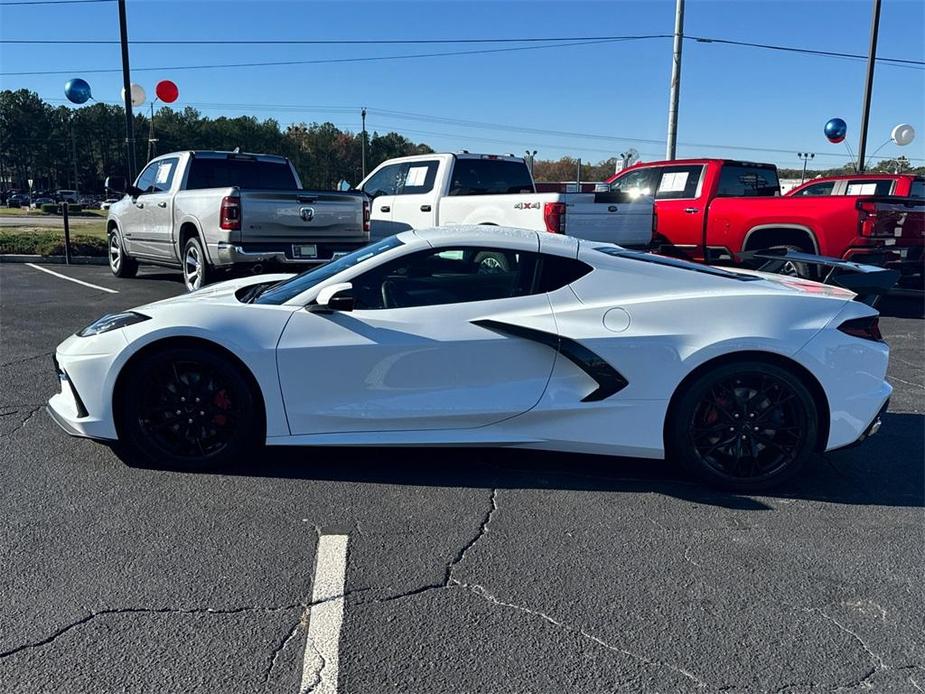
{"x":466,"y":570}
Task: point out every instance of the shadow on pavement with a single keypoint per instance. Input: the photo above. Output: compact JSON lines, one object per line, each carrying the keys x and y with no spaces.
{"x":887,"y":470}
{"x":902,"y":306}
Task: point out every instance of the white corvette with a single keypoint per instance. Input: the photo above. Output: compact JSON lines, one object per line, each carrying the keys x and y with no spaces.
{"x":488,"y":336}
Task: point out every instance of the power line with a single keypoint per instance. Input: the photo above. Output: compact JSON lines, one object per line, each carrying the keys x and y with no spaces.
{"x":27,"y":3}
{"x":320,"y":61}
{"x":806,"y":51}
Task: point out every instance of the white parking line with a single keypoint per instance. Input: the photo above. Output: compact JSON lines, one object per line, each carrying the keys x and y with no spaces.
{"x":320,"y":662}
{"x":71,"y":279}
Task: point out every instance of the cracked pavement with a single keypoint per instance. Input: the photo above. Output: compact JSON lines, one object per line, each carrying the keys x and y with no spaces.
{"x":468,"y":570}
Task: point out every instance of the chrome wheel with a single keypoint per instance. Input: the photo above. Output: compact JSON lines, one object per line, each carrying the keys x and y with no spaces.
{"x":192,"y":267}
{"x":115,"y":253}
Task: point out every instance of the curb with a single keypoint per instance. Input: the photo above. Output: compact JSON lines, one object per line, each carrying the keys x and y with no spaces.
{"x":53,"y":259}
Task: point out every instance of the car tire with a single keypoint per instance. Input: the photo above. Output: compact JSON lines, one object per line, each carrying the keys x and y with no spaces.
{"x":120,"y":264}
{"x":744,"y":426}
{"x":197,"y":272}
{"x":187,"y":408}
{"x":796,"y":269}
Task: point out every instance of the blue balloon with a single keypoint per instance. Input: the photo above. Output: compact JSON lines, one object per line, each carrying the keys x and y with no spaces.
{"x":835,"y":130}
{"x":77,"y":90}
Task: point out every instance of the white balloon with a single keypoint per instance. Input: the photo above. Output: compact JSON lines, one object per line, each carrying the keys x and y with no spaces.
{"x":138,"y":95}
{"x":903,"y":134}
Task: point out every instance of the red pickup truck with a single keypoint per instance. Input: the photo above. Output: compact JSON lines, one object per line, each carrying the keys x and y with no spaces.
{"x":710,"y":210}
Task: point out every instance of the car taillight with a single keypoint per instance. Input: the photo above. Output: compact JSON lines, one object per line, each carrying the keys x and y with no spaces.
{"x":554,"y":217}
{"x":366,"y":215}
{"x":866,"y":328}
{"x":230,"y":214}
{"x":867,"y":216}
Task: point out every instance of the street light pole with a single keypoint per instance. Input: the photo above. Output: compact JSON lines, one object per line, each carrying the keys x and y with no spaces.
{"x":805,"y":157}
{"x":127,"y":90}
{"x":675,"y":92}
{"x":869,"y":84}
{"x":363,"y":146}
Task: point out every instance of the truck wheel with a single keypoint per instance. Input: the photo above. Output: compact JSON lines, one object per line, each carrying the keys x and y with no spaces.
{"x":795,"y":269}
{"x":196,"y":270}
{"x":120,"y":264}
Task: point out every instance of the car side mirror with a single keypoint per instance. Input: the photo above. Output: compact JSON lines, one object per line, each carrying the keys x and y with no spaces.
{"x":116,"y":184}
{"x":336,"y":297}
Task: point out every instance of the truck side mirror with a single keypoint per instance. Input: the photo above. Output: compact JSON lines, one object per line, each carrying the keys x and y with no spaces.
{"x":116,"y":184}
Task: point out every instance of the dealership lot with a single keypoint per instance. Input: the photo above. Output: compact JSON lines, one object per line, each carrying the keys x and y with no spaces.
{"x":466,"y":570}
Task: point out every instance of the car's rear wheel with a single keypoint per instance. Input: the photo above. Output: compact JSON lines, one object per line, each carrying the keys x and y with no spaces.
{"x":120,"y":264}
{"x":196,"y":269}
{"x":743,"y":426}
{"x":187,"y":408}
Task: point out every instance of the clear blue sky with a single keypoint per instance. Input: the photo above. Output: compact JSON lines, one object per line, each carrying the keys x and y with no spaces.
{"x":731,"y":96}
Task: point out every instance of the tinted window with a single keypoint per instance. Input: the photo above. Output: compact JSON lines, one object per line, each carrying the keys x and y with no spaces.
{"x":490,"y":177}
{"x":159,"y":176}
{"x":868,"y":186}
{"x":678,"y":182}
{"x":417,"y":177}
{"x":556,"y":272}
{"x":824,"y":188}
{"x":446,"y":276}
{"x":918,"y":189}
{"x":208,"y":172}
{"x":636,"y":183}
{"x":384,"y":181}
{"x":282,"y":292}
{"x":745,"y":180}
{"x":145,"y":181}
{"x":673,"y":262}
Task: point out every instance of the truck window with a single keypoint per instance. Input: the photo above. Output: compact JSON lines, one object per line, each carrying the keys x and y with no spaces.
{"x":817,"y":189}
{"x":636,"y":183}
{"x":163,"y":175}
{"x":918,"y":189}
{"x":678,"y":182}
{"x":145,"y":181}
{"x":384,"y":181}
{"x":209,"y":172}
{"x":417,"y":177}
{"x":747,"y":180}
{"x":490,"y":177}
{"x":867,"y":186}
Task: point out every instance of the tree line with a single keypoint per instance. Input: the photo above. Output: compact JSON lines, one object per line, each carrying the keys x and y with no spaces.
{"x":60,"y":147}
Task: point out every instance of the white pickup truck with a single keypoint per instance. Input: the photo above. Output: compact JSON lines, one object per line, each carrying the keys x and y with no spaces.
{"x":206,"y":211}
{"x":431,"y":190}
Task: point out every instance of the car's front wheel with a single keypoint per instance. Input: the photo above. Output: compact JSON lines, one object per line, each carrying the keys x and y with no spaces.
{"x":120,"y":264}
{"x":743,"y":426}
{"x":187,"y":408}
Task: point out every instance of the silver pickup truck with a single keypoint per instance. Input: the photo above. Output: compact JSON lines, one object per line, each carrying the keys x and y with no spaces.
{"x":206,"y":212}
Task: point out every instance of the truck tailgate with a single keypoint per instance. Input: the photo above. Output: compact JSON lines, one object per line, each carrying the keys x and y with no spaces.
{"x":602,"y":217}
{"x":292,"y":216}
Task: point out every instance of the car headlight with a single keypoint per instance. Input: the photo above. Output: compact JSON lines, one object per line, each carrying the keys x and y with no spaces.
{"x":112,"y":321}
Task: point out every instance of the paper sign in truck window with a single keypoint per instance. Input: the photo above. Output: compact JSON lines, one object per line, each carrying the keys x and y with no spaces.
{"x":673,"y":182}
{"x":862,"y":189}
{"x":163,"y":172}
{"x":416,"y":176}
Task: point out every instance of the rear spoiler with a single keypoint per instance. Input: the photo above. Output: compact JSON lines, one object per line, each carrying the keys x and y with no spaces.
{"x":869,"y":282}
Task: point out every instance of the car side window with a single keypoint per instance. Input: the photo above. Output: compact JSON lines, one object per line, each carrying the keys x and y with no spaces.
{"x":678,"y":182}
{"x":636,"y":183}
{"x":145,"y":181}
{"x":556,"y":272}
{"x":446,"y":276}
{"x":918,"y":189}
{"x":417,"y":177}
{"x":817,"y":189}
{"x":384,"y":181}
{"x":869,"y":187}
{"x":163,"y":175}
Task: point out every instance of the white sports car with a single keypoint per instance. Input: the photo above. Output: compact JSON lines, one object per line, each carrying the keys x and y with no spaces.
{"x":488,"y":336}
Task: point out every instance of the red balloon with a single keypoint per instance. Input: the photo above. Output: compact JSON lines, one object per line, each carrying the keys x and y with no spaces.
{"x":167,"y":91}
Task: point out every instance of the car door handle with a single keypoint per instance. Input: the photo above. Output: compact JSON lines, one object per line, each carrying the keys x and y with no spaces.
{"x":691,"y":210}
{"x":162,"y":204}
{"x":140,"y":205}
{"x":385,"y":208}
{"x":425,"y":208}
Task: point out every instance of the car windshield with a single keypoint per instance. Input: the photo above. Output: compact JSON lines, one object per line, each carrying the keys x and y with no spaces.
{"x":674,"y":262}
{"x":283,"y":291}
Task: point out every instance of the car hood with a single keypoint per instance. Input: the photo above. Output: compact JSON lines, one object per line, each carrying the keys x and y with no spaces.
{"x":220,"y":292}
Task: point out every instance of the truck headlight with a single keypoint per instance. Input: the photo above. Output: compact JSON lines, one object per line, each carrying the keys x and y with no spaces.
{"x":112,"y":321}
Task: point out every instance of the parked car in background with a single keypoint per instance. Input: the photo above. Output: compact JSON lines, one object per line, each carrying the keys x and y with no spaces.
{"x":69,"y":196}
{"x":206,"y":211}
{"x":431,"y":190}
{"x":38,"y":202}
{"x":711,"y":210}
{"x":18,"y":200}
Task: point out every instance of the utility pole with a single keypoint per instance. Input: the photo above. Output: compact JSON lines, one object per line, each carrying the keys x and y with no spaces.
{"x":74,"y":158}
{"x":152,"y":141}
{"x":363,"y":147}
{"x":805,"y":157}
{"x":869,"y":84}
{"x":127,"y":88}
{"x":530,"y":156}
{"x":675,"y":82}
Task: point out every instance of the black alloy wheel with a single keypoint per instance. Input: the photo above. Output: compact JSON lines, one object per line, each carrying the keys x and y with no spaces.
{"x":188,"y":408}
{"x":744,"y":426}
